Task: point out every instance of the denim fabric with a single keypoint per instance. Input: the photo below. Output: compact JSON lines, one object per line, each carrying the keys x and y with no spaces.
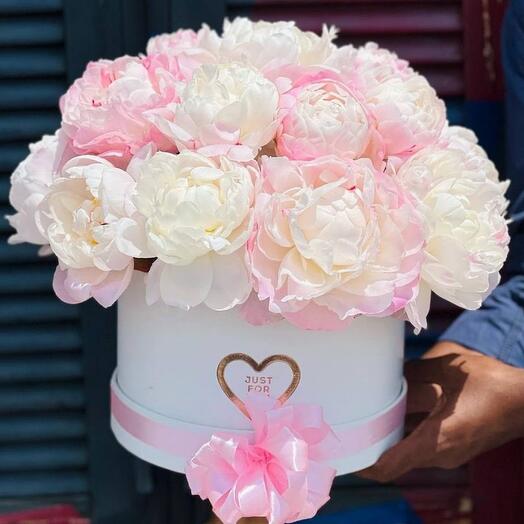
{"x":397,"y":512}
{"x":497,"y":329}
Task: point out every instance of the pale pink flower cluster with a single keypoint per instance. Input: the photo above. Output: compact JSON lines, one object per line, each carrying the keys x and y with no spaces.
{"x":265,"y":168}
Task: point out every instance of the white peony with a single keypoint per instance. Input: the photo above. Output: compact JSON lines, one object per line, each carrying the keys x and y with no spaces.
{"x":199,"y":217}
{"x":326,"y":118}
{"x":467,"y":236}
{"x":230,"y":108}
{"x":29,"y":184}
{"x":88,"y":216}
{"x":200,"y":45}
{"x":408,"y":113}
{"x":367,"y":66}
{"x":184,"y":51}
{"x":267,"y":45}
{"x":465,"y":140}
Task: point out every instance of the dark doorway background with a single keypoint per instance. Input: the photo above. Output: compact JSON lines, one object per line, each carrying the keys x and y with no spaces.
{"x":56,"y":360}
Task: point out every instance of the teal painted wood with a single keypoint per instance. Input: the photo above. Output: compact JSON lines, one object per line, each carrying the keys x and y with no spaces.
{"x":26,"y":31}
{"x":38,"y":485}
{"x":40,"y":93}
{"x":43,"y":457}
{"x":10,"y":155}
{"x":31,"y":63}
{"x":9,"y":7}
{"x":41,"y":397}
{"x":43,"y":430}
{"x":42,"y":427}
{"x":30,"y":309}
{"x":26,"y":125}
{"x":40,"y":339}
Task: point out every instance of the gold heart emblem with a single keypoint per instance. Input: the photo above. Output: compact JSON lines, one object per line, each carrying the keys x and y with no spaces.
{"x":258,"y":367}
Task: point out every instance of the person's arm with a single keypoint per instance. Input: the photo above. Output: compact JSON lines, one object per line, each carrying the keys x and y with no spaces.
{"x":497,"y":329}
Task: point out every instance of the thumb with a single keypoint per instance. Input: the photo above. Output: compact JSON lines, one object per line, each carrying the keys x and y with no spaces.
{"x":430,"y":370}
{"x":415,"y":451}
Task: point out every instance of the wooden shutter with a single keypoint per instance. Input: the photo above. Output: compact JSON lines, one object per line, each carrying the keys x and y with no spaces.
{"x":55,"y":359}
{"x":43,"y":453}
{"x":454,"y":43}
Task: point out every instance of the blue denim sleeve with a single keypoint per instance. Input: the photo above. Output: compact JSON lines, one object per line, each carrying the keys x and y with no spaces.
{"x":497,"y":329}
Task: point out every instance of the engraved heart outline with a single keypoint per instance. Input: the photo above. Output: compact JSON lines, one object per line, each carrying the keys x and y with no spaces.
{"x":258,"y":367}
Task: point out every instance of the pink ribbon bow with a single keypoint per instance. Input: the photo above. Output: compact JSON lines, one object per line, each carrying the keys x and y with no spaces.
{"x":277,"y":473}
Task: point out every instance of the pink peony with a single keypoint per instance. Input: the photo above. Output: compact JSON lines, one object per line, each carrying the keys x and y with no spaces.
{"x":408,"y":113}
{"x":74,"y":286}
{"x":326,"y":117}
{"x":185,"y":50}
{"x":105,"y":112}
{"x":334,"y":240}
{"x":368,"y":66}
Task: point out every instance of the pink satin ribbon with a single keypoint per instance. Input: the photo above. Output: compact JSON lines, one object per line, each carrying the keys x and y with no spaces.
{"x":184,"y":442}
{"x":279,"y":470}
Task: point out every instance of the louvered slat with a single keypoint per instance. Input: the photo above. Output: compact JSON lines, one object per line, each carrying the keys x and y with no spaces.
{"x":9,"y":7}
{"x":31,"y":62}
{"x":39,"y":339}
{"x":11,"y":155}
{"x":47,"y":397}
{"x":4,"y":224}
{"x":356,"y":19}
{"x":16,"y":253}
{"x":43,"y":449}
{"x":42,"y":427}
{"x":29,"y":309}
{"x":14,"y":369}
{"x":42,"y":484}
{"x":433,"y":49}
{"x":16,"y":457}
{"x":23,"y":125}
{"x":27,"y":278}
{"x":20,"y":94}
{"x":299,"y":4}
{"x":4,"y":192}
{"x":27,"y":31}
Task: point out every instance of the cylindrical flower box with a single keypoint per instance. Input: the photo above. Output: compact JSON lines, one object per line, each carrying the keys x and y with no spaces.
{"x":168,"y":400}
{"x":290,"y":201}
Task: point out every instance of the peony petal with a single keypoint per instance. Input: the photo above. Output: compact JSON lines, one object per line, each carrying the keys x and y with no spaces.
{"x":231,"y":281}
{"x":256,"y":311}
{"x":69,"y":292}
{"x":418,"y":309}
{"x":116,"y":282}
{"x":317,"y":318}
{"x":152,"y":282}
{"x":186,"y":286}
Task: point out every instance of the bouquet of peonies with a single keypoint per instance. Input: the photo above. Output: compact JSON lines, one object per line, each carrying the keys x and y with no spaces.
{"x":266,"y":168}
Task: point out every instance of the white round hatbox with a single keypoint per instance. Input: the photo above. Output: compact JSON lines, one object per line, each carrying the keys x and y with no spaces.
{"x":167,"y":400}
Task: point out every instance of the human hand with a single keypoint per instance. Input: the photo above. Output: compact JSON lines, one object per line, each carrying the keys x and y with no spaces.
{"x":475,"y":403}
